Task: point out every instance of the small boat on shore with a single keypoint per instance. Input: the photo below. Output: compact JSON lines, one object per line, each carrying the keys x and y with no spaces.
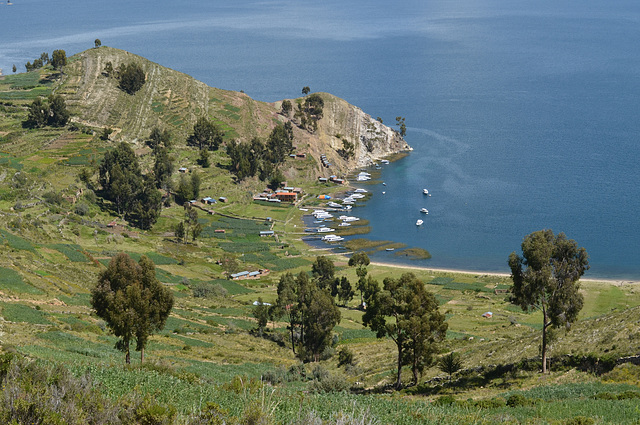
{"x":384,"y":161}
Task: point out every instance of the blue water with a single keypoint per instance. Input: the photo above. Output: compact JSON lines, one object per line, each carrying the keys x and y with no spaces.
{"x":523,"y":115}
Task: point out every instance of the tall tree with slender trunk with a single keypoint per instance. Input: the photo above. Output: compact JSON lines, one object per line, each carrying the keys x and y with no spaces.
{"x":408,"y":314}
{"x":546,"y":278}
{"x":132,"y":301}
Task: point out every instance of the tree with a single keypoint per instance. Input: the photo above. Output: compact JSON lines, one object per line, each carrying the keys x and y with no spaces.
{"x":120,"y":176}
{"x":403,"y":127}
{"x":14,"y":69}
{"x":58,"y":59}
{"x":360,"y":259}
{"x":416,"y":325}
{"x":180,"y":231}
{"x":348,"y":150}
{"x":98,"y":43}
{"x":38,"y":114}
{"x":54,"y":113}
{"x":311,"y":111}
{"x":147,"y":204}
{"x":163,"y":168}
{"x":206,"y":135}
{"x":132,"y":301}
{"x":131,"y":77}
{"x":286,"y":302}
{"x":280,"y":143}
{"x":345,"y":291}
{"x":108,"y":68}
{"x":286,"y":106}
{"x":320,"y":316}
{"x":546,"y":278}
{"x":306,"y":90}
{"x":58,"y":113}
{"x":159,"y":138}
{"x":204,"y":160}
{"x":323,"y":271}
{"x":261,"y":314}
{"x":450,"y":363}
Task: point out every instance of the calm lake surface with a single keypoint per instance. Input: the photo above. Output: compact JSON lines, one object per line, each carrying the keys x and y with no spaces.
{"x":523,"y":115}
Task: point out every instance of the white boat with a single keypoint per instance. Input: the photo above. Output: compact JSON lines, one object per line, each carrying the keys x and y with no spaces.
{"x":361,"y":191}
{"x":384,"y":193}
{"x":419,"y":223}
{"x":344,"y":224}
{"x":348,"y":219}
{"x":325,"y":229}
{"x":384,"y":161}
{"x":425,"y":191}
{"x":363,"y":178}
{"x":332,"y":238}
{"x":424,"y":210}
{"x":384,"y":184}
{"x":357,"y":196}
{"x":389,"y":249}
{"x":334,"y":205}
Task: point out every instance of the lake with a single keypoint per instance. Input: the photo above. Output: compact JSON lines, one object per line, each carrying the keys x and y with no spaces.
{"x":522,"y":115}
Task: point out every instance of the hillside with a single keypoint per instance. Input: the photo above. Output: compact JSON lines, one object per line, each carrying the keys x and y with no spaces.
{"x":173,"y":100}
{"x":57,"y":234}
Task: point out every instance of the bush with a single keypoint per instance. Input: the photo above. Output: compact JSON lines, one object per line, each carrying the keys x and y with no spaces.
{"x":445,"y":400}
{"x":580,"y":420}
{"x":628,"y":395}
{"x":330,"y":383}
{"x":149,"y":413}
{"x":82,"y":209}
{"x":492,"y":403}
{"x":345,"y":357}
{"x":131,"y":77}
{"x":516,"y":400}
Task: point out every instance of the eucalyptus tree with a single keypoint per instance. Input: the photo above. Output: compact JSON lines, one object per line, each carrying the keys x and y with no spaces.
{"x":546,"y":277}
{"x":407,"y":313}
{"x":132,"y":302}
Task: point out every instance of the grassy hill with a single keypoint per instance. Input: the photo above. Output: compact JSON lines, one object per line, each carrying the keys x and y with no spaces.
{"x":52,"y":252}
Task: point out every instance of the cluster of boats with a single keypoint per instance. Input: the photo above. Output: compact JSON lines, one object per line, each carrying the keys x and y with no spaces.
{"x":423,"y":210}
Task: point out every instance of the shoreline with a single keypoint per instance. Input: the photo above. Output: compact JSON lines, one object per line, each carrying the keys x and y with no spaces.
{"x":617,"y":282}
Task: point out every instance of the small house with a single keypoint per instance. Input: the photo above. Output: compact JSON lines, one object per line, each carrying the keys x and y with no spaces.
{"x":222,"y":199}
{"x":287,"y":196}
{"x":208,"y":200}
{"x":323,"y":179}
{"x":488,"y":315}
{"x":183,"y":170}
{"x":267,"y":233}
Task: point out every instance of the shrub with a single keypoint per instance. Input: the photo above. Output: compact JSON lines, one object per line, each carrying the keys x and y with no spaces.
{"x":445,"y":400}
{"x":345,"y":357}
{"x":579,"y":420}
{"x":149,"y":413}
{"x":329,"y":383}
{"x":628,"y":395}
{"x":605,"y":396}
{"x":131,"y":77}
{"x":492,"y":403}
{"x":516,"y":400}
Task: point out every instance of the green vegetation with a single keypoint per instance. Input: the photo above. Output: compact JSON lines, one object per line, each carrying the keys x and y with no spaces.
{"x":209,"y":363}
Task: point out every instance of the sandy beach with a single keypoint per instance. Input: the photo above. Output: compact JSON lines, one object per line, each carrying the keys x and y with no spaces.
{"x":617,"y":282}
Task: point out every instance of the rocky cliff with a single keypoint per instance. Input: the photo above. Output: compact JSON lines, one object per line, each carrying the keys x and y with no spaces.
{"x":172,"y":100}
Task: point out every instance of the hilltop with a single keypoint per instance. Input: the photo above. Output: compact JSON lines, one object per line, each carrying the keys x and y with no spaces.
{"x":52,"y":251}
{"x":173,"y":100}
